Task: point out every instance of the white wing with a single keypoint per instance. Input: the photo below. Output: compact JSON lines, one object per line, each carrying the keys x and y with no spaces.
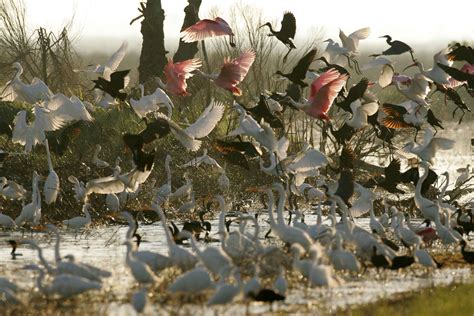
{"x":378,"y":61}
{"x":45,"y":120}
{"x":386,"y":75}
{"x":68,"y":109}
{"x":20,"y":129}
{"x":181,"y":135}
{"x":115,"y":60}
{"x":207,"y":121}
{"x":310,"y":160}
{"x":104,"y":185}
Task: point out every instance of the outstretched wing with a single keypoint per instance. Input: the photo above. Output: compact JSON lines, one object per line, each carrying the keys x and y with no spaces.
{"x":234,"y":71}
{"x":115,"y":60}
{"x":204,"y":29}
{"x":207,"y":121}
{"x":288,"y":25}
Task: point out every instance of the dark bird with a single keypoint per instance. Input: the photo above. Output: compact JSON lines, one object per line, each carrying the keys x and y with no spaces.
{"x":459,"y":75}
{"x":292,"y":91}
{"x":454,"y":96}
{"x":460,"y":52}
{"x":266,"y":295}
{"x":113,"y":87}
{"x":467,"y":255}
{"x":339,"y":68}
{"x":298,"y":74}
{"x":287,"y":31}
{"x":177,"y":237}
{"x":389,"y":243}
{"x":156,"y":129}
{"x":343,"y":134}
{"x":237,"y":152}
{"x":379,"y":261}
{"x":413,"y":175}
{"x":400,"y":262}
{"x":345,"y":186}
{"x":396,"y":48}
{"x":60,"y":140}
{"x":467,"y":226}
{"x":144,"y":161}
{"x":262,"y":111}
{"x":355,"y":93}
{"x":398,"y":117}
{"x":14,"y":244}
{"x":382,"y":132}
{"x":392,"y":177}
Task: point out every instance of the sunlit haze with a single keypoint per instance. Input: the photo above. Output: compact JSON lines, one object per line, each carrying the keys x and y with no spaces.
{"x":414,"y":22}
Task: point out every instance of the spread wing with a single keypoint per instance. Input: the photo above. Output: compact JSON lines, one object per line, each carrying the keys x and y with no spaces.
{"x":207,"y":121}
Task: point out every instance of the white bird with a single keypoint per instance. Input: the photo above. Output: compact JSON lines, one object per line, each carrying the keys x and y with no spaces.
{"x":140,"y":270}
{"x":364,"y":202}
{"x":139,"y":300}
{"x":387,"y":72}
{"x":423,"y":257}
{"x":51,"y":185}
{"x":184,"y":190}
{"x":430,"y":145}
{"x":151,"y":103}
{"x":104,"y":185}
{"x":320,"y":274}
{"x":226,"y":293}
{"x":418,"y":89}
{"x":17,"y":90}
{"x":287,"y":234}
{"x":79,"y":188}
{"x":189,"y":137}
{"x":360,"y":112}
{"x":436,"y":74}
{"x":223,"y":181}
{"x":110,"y":65}
{"x":351,"y":42}
{"x":204,"y":159}
{"x":31,"y":213}
{"x":95,"y":158}
{"x":6,"y":221}
{"x":374,"y":224}
{"x":213,"y":258}
{"x":179,"y":256}
{"x":192,"y":282}
{"x":342,"y":259}
{"x":64,"y":285}
{"x":334,"y":51}
{"x":29,"y":135}
{"x":79,"y":222}
{"x":464,"y":175}
{"x":163,"y":193}
{"x":68,"y":109}
{"x":428,"y":208}
{"x":11,"y":190}
{"x":188,"y":206}
{"x":405,"y":234}
{"x":444,"y":233}
{"x":280,"y":284}
{"x":253,"y":285}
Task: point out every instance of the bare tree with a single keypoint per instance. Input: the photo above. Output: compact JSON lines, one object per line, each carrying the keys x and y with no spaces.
{"x":153,"y":54}
{"x":188,"y":50}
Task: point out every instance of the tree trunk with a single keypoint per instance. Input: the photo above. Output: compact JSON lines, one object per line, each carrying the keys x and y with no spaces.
{"x":188,"y":50}
{"x":152,"y":57}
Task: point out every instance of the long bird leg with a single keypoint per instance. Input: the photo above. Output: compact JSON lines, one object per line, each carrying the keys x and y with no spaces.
{"x":232,"y":41}
{"x":286,"y":56}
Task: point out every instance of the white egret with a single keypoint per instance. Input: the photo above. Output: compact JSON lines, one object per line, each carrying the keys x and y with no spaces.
{"x":79,"y":222}
{"x":151,"y":103}
{"x":31,"y":213}
{"x":51,"y":185}
{"x":428,"y":149}
{"x":95,"y":158}
{"x":204,"y":159}
{"x":11,"y":190}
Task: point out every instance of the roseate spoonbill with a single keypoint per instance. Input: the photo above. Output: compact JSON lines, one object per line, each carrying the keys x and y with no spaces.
{"x":323,"y":92}
{"x":207,"y":28}
{"x":176,"y":75}
{"x":232,"y":72}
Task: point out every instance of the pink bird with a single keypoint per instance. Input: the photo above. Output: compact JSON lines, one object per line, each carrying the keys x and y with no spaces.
{"x":323,"y":92}
{"x":177,"y":74}
{"x":207,"y":28}
{"x":233,"y":72}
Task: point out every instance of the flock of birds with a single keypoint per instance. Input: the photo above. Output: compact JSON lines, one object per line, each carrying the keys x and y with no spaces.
{"x":240,"y":263}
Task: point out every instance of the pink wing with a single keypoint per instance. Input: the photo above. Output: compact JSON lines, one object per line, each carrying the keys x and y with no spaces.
{"x":321,"y":81}
{"x":234,"y":71}
{"x":206,"y":28}
{"x":468,"y":68}
{"x":325,"y":97}
{"x":176,"y":75}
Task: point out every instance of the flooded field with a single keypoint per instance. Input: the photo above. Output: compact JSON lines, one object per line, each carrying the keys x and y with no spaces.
{"x":103,"y":247}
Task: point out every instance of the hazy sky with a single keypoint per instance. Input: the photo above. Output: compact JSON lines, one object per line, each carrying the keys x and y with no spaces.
{"x":409,"y":20}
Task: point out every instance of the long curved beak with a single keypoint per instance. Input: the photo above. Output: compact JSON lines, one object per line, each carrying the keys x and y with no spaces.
{"x":261,"y":26}
{"x":409,"y":66}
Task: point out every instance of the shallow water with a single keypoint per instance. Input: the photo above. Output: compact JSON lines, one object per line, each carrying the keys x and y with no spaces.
{"x":103,"y":247}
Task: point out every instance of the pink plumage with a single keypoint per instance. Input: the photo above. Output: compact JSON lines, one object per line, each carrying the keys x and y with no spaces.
{"x":206,"y":28}
{"x":234,"y":71}
{"x":177,"y":74}
{"x":323,"y":92}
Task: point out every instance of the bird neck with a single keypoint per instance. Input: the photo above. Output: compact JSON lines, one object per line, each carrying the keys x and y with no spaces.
{"x":57,"y":255}
{"x":281,"y":205}
{"x":388,"y":39}
{"x":420,"y":182}
{"x":48,"y":154}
